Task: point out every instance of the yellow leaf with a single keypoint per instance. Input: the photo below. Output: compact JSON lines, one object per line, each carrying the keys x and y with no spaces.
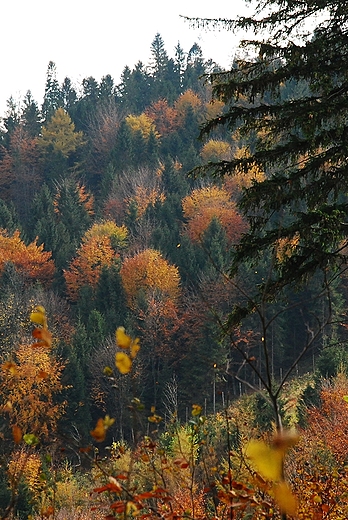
{"x":196,"y":410}
{"x":108,"y":421}
{"x":284,"y":498}
{"x":123,"y":362}
{"x":266,"y":460}
{"x":107,"y":371}
{"x":39,"y":316}
{"x":135,"y":347}
{"x":122,"y":339}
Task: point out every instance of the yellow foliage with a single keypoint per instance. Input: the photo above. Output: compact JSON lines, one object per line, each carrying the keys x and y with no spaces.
{"x":240,"y":179}
{"x":148,"y":271}
{"x":108,"y":228}
{"x":214,"y":109}
{"x":124,"y":361}
{"x":268,"y":461}
{"x":59,"y":134}
{"x":94,"y":253}
{"x":27,"y":465}
{"x":285,"y":247}
{"x":187,"y":100}
{"x":142,"y":123}
{"x":215,"y":150}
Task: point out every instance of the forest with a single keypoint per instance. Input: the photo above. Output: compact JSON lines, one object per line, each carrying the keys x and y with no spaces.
{"x":173,"y":252}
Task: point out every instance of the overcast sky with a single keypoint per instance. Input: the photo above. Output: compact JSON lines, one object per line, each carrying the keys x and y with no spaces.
{"x":86,"y":38}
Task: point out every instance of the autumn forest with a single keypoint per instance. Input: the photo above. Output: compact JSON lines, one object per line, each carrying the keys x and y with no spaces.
{"x":138,"y":363}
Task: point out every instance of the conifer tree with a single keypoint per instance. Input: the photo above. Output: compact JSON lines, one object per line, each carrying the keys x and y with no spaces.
{"x":301,"y":141}
{"x":53,"y":96}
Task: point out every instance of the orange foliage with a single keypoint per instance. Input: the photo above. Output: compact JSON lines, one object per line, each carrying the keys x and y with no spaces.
{"x":206,"y":203}
{"x":186,"y":100}
{"x":94,"y":253}
{"x":145,"y":197}
{"x":27,"y":387}
{"x":317,"y":468}
{"x":31,"y":261}
{"x":147,"y":272}
{"x":328,"y":424}
{"x":164,"y":116}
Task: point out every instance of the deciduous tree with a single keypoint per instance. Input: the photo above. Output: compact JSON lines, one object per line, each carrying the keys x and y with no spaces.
{"x":30,"y":260}
{"x":207,"y":203}
{"x":98,"y":250}
{"x":147,"y":272}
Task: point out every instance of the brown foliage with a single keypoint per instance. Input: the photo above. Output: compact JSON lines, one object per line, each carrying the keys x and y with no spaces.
{"x":164,"y":116}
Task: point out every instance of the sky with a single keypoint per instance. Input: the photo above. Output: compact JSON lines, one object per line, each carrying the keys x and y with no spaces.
{"x":85,"y":38}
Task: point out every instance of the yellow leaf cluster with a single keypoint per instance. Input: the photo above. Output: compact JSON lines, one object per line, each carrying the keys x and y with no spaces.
{"x":148,"y":271}
{"x":123,"y":360}
{"x":215,"y":150}
{"x":29,"y":467}
{"x":285,"y":247}
{"x":108,"y":228}
{"x":143,"y":124}
{"x":268,"y":461}
{"x":59,"y":134}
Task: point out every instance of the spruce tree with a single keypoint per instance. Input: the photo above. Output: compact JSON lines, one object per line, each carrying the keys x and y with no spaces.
{"x":301,"y":141}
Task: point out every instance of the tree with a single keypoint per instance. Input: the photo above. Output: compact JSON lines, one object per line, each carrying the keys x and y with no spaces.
{"x":53,"y":96}
{"x":60,"y":144}
{"x":159,"y":57}
{"x":20,"y":171}
{"x":149,"y":272}
{"x":205,"y":204}
{"x":59,"y":136}
{"x":31,"y":117}
{"x":98,"y":250}
{"x":163,"y":116}
{"x":32,"y":261}
{"x":301,"y":140}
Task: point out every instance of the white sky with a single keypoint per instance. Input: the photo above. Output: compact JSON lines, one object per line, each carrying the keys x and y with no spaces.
{"x":86,"y":38}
